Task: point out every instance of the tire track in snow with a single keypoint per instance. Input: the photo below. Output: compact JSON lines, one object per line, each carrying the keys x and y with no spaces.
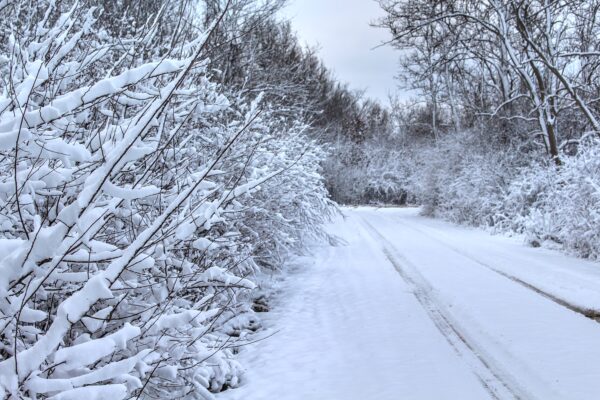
{"x":496,"y":382}
{"x":586,"y":312}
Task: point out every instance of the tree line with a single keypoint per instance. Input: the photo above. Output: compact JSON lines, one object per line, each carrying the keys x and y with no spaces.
{"x":158,"y":158}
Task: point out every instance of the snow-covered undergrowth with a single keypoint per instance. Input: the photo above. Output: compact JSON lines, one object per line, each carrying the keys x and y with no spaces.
{"x":568,"y":208}
{"x":376,"y":171}
{"x":136,"y":204}
{"x":470,"y":182}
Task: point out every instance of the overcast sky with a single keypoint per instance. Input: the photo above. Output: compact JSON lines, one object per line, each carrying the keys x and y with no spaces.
{"x":341,"y":30}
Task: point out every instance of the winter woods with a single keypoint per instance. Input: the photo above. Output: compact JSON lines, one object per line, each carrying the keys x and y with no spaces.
{"x":158,"y":157}
{"x":504,"y":119}
{"x":532,"y":61}
{"x":141,"y":192}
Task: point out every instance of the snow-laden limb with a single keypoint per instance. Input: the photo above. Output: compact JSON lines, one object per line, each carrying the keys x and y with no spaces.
{"x":114,"y":370}
{"x":83,"y":354}
{"x":96,"y":392}
{"x":69,"y":102}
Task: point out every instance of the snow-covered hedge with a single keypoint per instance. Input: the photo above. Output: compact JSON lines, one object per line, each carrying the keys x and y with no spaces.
{"x":466,"y":180}
{"x":568,"y":209}
{"x":374,"y":172}
{"x":463,"y":179}
{"x":136,"y":203}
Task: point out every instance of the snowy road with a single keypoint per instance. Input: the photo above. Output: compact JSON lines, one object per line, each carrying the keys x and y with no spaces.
{"x":412,"y":308}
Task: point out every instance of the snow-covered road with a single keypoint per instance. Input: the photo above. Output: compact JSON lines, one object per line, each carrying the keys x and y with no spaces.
{"x":413,"y":308}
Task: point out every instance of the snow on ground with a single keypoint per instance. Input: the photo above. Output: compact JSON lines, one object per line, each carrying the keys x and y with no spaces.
{"x":412,"y":308}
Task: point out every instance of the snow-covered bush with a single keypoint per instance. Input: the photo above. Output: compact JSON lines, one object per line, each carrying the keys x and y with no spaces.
{"x":136,"y":201}
{"x":567,"y":211}
{"x":373,"y":172}
{"x":465,"y":180}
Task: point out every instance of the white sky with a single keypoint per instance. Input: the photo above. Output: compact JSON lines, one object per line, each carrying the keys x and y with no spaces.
{"x":340,"y":28}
